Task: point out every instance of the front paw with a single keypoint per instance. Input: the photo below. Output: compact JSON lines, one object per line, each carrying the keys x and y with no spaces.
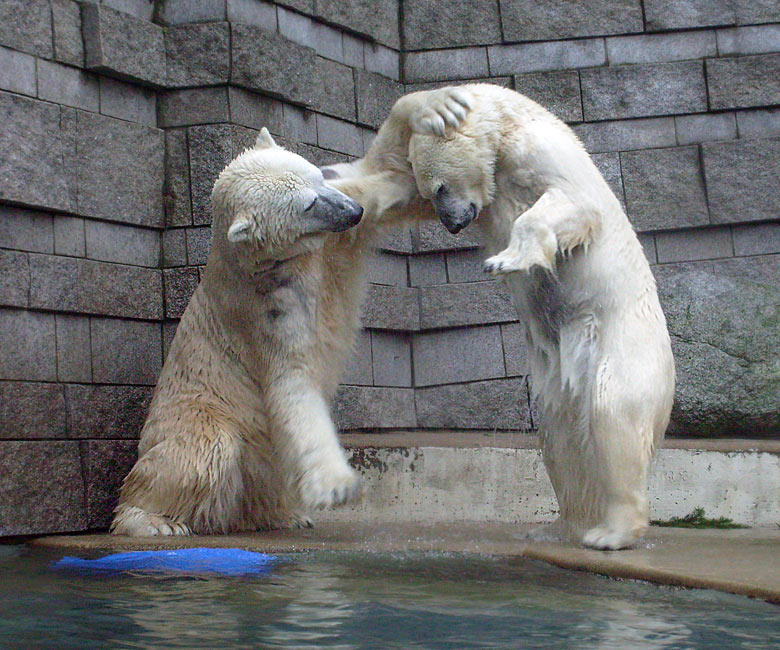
{"x":446,"y":107}
{"x":330,"y":484}
{"x":505,"y":262}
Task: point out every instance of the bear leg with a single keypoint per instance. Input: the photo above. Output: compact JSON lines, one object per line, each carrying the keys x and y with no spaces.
{"x":130,"y":520}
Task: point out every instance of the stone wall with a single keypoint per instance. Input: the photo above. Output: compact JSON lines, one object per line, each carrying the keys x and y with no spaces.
{"x":118,"y":115}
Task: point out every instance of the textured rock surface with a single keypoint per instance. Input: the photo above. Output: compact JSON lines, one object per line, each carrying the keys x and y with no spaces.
{"x":429,"y":25}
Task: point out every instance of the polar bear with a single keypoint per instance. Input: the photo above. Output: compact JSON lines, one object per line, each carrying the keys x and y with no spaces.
{"x":239,"y":434}
{"x":601,"y":359}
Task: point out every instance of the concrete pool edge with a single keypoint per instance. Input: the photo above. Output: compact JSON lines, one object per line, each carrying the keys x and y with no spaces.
{"x":742,"y":562}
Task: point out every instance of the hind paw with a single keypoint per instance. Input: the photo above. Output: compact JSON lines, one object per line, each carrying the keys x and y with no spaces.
{"x":139,"y":523}
{"x":606,"y":538}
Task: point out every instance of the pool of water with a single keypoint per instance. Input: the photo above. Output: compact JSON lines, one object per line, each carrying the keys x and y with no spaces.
{"x":352,"y":600}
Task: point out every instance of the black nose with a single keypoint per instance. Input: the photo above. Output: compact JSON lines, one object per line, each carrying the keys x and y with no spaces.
{"x":356,"y":215}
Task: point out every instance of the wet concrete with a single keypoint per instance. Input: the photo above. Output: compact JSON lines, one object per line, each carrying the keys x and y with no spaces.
{"x":745,"y":562}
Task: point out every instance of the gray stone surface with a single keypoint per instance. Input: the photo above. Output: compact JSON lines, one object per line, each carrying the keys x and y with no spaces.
{"x":128,"y":160}
{"x":123,"y":45}
{"x":174,"y":247}
{"x":271,"y":63}
{"x":41,"y":488}
{"x":321,"y":157}
{"x":339,"y":135}
{"x":398,"y":241}
{"x":63,"y":84}
{"x":198,"y":245}
{"x":253,"y":12}
{"x":197,"y":55}
{"x":106,"y":411}
{"x":498,"y":404}
{"x":69,"y":236}
{"x":26,"y":230}
{"x":705,"y":127}
{"x":369,"y":407}
{"x":375,"y":97}
{"x":472,"y":303}
{"x":176,"y":198}
{"x":538,"y":57}
{"x":439,"y":65}
{"x":428,"y":25}
{"x":466,"y":266}
{"x":724,"y":320}
{"x":675,"y":14}
{"x":609,"y":166}
{"x":31,"y":337}
{"x":128,"y":101}
{"x":742,"y":180}
{"x":664,"y":188}
{"x":17,"y":72}
{"x":352,"y":51}
{"x":392,"y":359}
{"x":14,"y":279}
{"x":359,"y":370}
{"x":382,"y":60}
{"x":756,"y":239}
{"x":657,"y":48}
{"x":180,"y":284}
{"x":192,"y":106}
{"x":112,"y":242}
{"x":176,"y":12}
{"x":749,"y":40}
{"x":88,"y":287}
{"x":627,"y":134}
{"x":256,"y":111}
{"x":74,"y":351}
{"x":375,"y":18}
{"x":515,"y":349}
{"x":126,"y":351}
{"x":210,"y":149}
{"x":139,"y":8}
{"x":106,"y":463}
{"x":527,"y":20}
{"x":326,"y":40}
{"x":431,"y":236}
{"x":26,"y":25}
{"x":758,"y":11}
{"x":759,"y":123}
{"x":387,"y":268}
{"x":299,"y":124}
{"x":643,"y":90}
{"x":698,"y":244}
{"x":427,"y":270}
{"x":743,"y":82}
{"x":332,"y":89}
{"x":391,"y":308}
{"x":647,"y":241}
{"x":31,"y":410}
{"x":558,"y":92}
{"x":458,"y":355}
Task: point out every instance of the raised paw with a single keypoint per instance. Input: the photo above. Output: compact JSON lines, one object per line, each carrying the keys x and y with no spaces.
{"x":504,"y":262}
{"x":446,"y":107}
{"x":330,"y":485}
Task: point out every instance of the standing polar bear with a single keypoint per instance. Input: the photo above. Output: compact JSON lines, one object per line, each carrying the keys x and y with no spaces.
{"x":601,"y":358}
{"x":239,"y":434}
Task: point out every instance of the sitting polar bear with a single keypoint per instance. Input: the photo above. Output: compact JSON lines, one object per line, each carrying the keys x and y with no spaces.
{"x":239,"y":434}
{"x":601,"y":358}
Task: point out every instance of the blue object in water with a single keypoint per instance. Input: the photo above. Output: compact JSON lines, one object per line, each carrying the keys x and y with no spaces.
{"x":192,"y":561}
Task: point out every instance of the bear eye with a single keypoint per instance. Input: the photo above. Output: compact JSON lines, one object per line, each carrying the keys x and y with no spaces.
{"x":441,"y":190}
{"x":311,"y":205}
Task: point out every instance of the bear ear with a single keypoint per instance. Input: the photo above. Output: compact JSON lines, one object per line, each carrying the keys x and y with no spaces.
{"x":265,"y":141}
{"x":240,"y":230}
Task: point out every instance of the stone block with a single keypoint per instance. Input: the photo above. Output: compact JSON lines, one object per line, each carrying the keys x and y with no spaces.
{"x":66,"y":25}
{"x":741,"y":180}
{"x":744,"y":82}
{"x":89,"y":287}
{"x":382,"y":60}
{"x":689,"y":245}
{"x":387,"y":268}
{"x":126,"y":351}
{"x":664,"y":188}
{"x":25,"y":25}
{"x":74,"y":352}
{"x":440,"y":65}
{"x":497,"y":404}
{"x":375,"y":97}
{"x":17,"y":72}
{"x":756,"y":239}
{"x":321,"y":157}
{"x":169,"y":332}
{"x":527,"y":20}
{"x":398,"y":241}
{"x":458,"y":355}
{"x":515,"y":350}
{"x":271,"y":63}
{"x":31,"y":337}
{"x":723,"y":320}
{"x":359,"y":371}
{"x":427,"y":270}
{"x":759,"y":11}
{"x":256,"y":111}
{"x":762,"y":123}
{"x":128,"y":102}
{"x":338,"y":135}
{"x":749,"y":40}
{"x":625,"y":135}
{"x":472,"y":303}
{"x":180,"y":284}
{"x":431,"y":236}
{"x":299,"y":124}
{"x":659,"y":48}
{"x":252,"y":12}
{"x":122,"y":45}
{"x":558,"y":92}
{"x":466,"y":266}
{"x":375,"y":18}
{"x":106,"y":411}
{"x":391,"y":308}
{"x":178,"y":206}
{"x":14,"y":279}
{"x":63,"y":84}
{"x":106,"y":463}
{"x":177,"y":12}
{"x":505,"y":82}
{"x":369,"y":407}
{"x":352,"y":51}
{"x":26,"y":230}
{"x":429,"y":25}
{"x":609,"y":166}
{"x":210,"y":149}
{"x":174,"y":247}
{"x":41,"y":487}
{"x":198,"y":54}
{"x":332,"y":90}
{"x":31,"y":410}
{"x":111,"y":242}
{"x":128,"y":161}
{"x":198,"y":245}
{"x":539,"y":57}
{"x":69,"y":236}
{"x":643,"y":90}
{"x":142,"y":9}
{"x":647,"y":242}
{"x":193,"y":106}
{"x":392,"y":359}
{"x":36,"y":167}
{"x":705,"y":127}
{"x":676,"y":14}
{"x":325,"y":40}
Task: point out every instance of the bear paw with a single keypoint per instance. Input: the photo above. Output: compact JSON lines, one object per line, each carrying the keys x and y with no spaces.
{"x":325,"y":486}
{"x":605,"y":538}
{"x":446,"y":107}
{"x":138,"y":523}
